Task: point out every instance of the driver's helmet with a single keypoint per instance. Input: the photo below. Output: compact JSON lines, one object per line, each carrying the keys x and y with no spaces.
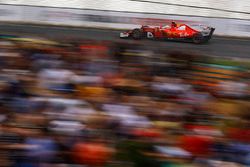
{"x":173,"y":24}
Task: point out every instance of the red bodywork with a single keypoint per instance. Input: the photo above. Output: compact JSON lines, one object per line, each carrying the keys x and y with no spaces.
{"x":181,"y":31}
{"x":196,"y":33}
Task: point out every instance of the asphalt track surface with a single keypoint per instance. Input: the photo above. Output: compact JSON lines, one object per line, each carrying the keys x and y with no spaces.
{"x":218,"y":46}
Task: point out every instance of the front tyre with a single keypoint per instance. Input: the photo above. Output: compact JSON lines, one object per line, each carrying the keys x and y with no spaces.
{"x":137,"y":34}
{"x":198,"y":38}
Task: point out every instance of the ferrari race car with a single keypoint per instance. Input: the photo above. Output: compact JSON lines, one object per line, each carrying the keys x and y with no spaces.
{"x":194,"y":33}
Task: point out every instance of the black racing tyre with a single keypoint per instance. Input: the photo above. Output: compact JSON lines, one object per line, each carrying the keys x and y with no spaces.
{"x":198,"y":38}
{"x":137,"y":34}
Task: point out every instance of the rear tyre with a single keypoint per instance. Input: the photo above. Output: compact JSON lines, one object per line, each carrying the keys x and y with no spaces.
{"x":198,"y":38}
{"x":137,"y":34}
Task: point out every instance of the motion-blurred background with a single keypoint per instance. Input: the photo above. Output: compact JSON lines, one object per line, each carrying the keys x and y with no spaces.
{"x":73,"y":94}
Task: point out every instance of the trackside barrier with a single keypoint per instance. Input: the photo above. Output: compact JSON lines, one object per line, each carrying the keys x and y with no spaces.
{"x":115,"y":20}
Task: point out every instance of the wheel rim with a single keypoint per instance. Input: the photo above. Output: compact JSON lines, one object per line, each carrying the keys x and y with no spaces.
{"x":136,"y":34}
{"x":198,"y":38}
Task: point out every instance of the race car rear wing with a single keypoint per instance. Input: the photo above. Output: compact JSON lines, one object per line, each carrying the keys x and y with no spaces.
{"x":211,"y":32}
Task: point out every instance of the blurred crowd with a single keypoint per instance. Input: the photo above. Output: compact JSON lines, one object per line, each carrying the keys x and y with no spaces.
{"x":101,"y":103}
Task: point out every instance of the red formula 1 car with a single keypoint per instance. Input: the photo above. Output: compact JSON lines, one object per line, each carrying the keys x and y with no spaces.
{"x":195,"y":33}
